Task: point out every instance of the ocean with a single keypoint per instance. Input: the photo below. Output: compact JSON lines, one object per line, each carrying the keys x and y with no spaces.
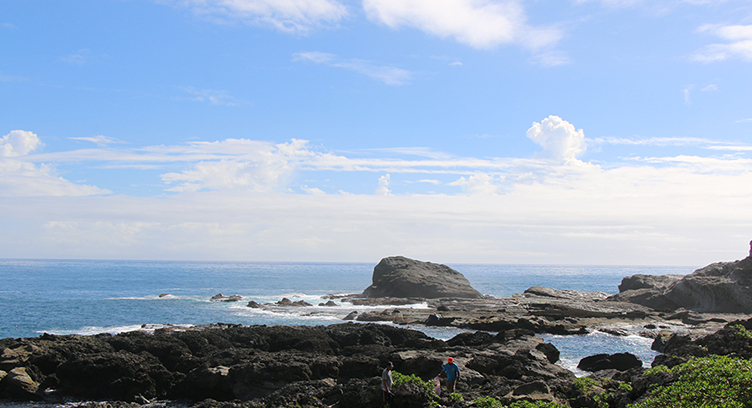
{"x":98,"y":296}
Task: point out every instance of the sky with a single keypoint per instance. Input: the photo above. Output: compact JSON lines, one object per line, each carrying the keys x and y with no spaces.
{"x":609,"y":132}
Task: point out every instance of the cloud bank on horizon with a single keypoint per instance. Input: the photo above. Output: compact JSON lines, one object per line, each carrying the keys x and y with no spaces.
{"x":323,"y":130}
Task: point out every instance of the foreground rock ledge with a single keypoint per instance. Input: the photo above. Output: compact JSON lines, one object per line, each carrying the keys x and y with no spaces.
{"x":262,"y":364}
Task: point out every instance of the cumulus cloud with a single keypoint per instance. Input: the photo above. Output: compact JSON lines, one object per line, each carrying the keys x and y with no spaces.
{"x":738,"y":43}
{"x":21,"y":178}
{"x":257,"y":167}
{"x":478,"y":23}
{"x":291,"y":16}
{"x":18,"y":143}
{"x":559,"y":139}
{"x":387,"y":74}
{"x":477,"y":184}
{"x":383,"y":188}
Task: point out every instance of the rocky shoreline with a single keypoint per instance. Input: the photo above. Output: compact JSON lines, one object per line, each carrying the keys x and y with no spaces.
{"x":500,"y":354}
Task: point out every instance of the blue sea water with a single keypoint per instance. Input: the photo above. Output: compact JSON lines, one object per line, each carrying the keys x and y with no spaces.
{"x":96,"y":296}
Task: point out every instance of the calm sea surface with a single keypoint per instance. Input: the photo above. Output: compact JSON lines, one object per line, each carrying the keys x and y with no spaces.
{"x":86,"y":297}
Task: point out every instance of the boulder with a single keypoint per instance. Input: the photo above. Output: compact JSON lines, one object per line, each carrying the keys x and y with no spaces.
{"x":722,"y":287}
{"x":401,"y":277}
{"x":222,"y":298}
{"x":617,"y":361}
{"x":19,"y":383}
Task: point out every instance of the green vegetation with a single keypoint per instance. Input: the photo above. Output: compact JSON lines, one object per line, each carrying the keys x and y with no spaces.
{"x":490,"y":402}
{"x":742,"y":332}
{"x":708,"y":382}
{"x":456,"y":397}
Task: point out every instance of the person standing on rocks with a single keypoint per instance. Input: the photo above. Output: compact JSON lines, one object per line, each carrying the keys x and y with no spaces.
{"x":452,"y":374}
{"x":386,"y":382}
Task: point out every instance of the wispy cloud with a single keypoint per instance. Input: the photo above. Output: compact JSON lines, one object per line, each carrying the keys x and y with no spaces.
{"x":77,"y":58}
{"x":214,"y":97}
{"x":480,"y":24}
{"x":9,"y":26}
{"x":387,"y":74}
{"x":99,"y":140}
{"x":11,"y":78}
{"x":290,"y":16}
{"x":738,"y":43}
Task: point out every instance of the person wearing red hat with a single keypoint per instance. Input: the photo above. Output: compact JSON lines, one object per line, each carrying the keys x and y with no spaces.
{"x":452,"y":374}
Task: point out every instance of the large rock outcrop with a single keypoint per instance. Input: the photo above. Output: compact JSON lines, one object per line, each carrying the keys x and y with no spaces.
{"x":402,"y":277}
{"x":277,"y":366}
{"x":722,"y":287}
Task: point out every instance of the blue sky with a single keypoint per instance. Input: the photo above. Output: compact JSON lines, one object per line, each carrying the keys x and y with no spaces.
{"x":541,"y":131}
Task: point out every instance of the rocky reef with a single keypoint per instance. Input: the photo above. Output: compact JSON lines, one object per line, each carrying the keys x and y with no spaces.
{"x":722,"y":287}
{"x":334,"y":366}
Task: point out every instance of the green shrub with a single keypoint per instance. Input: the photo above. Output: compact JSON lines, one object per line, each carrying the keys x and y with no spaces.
{"x":487,"y":402}
{"x":528,"y":404}
{"x":708,"y":382}
{"x":742,"y":332}
{"x":456,"y":397}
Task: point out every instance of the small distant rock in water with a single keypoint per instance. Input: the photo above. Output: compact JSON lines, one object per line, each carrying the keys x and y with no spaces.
{"x":288,"y":302}
{"x":329,"y":304}
{"x":222,"y":298}
{"x":254,"y":305}
{"x":350,"y":316}
{"x":164,"y":295}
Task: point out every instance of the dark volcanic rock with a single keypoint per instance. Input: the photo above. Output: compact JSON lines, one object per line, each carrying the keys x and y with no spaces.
{"x":402,"y":277}
{"x":617,"y":361}
{"x":723,"y":287}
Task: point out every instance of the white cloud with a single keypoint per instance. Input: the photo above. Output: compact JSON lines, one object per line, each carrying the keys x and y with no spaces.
{"x":222,"y":98}
{"x":477,"y":184}
{"x":738,"y":43}
{"x":18,"y":143}
{"x":478,"y":23}
{"x":291,"y":16}
{"x":383,"y":188}
{"x":687,"y":97}
{"x":551,"y":58}
{"x":710,"y":88}
{"x":257,"y":167}
{"x":559,"y":139}
{"x":99,"y":140}
{"x":78,"y":58}
{"x":383,"y":73}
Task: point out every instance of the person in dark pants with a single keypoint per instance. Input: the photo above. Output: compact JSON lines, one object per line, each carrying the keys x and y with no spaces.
{"x":452,"y":374}
{"x":386,"y":383}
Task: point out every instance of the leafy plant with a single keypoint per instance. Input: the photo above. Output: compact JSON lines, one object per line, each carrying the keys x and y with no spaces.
{"x":456,"y":397}
{"x":742,"y":332}
{"x":708,"y":382}
{"x":487,"y":402}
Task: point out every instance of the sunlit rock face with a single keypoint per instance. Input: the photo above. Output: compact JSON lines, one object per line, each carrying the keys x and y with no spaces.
{"x":402,"y":277}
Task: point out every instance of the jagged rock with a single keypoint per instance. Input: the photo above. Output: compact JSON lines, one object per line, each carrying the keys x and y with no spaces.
{"x":565,"y":294}
{"x":617,"y":361}
{"x":288,"y":302}
{"x":222,"y":298}
{"x":19,"y":383}
{"x":722,"y":287}
{"x":401,"y":277}
{"x":329,"y":304}
{"x":254,"y":305}
{"x":350,"y":316}
{"x":536,"y":391}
